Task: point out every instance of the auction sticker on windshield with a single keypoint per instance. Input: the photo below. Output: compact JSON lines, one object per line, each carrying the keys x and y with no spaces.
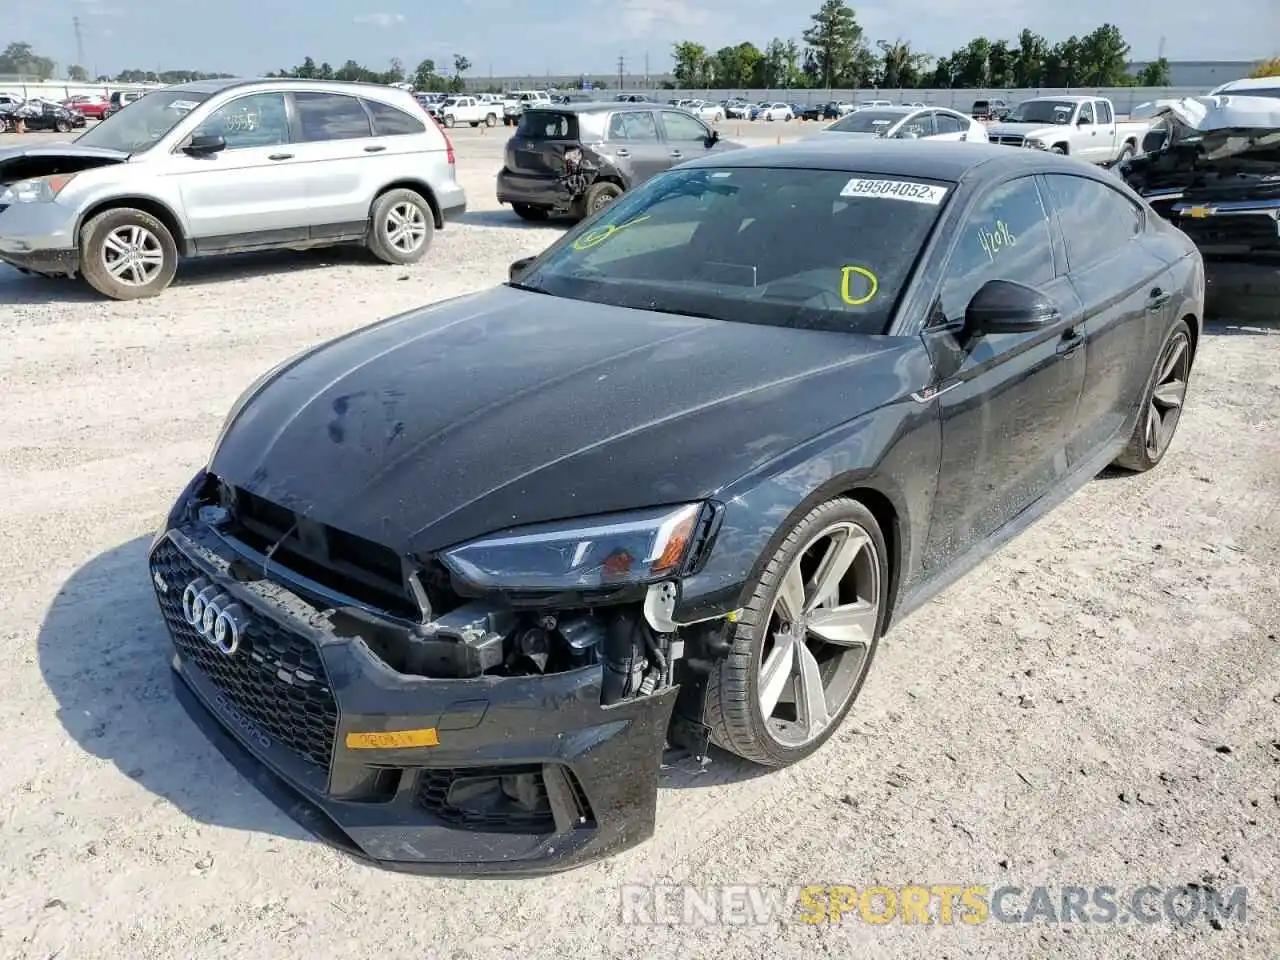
{"x":895,"y":190}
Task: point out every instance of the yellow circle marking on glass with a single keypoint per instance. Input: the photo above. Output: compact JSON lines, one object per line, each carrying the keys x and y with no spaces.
{"x":870,"y":277}
{"x":594,"y":237}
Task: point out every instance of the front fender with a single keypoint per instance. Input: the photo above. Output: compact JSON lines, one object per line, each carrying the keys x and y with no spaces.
{"x":894,"y":451}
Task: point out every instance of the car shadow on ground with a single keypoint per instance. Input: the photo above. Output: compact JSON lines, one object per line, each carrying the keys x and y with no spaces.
{"x":1242,"y":328}
{"x":19,"y":288}
{"x":104,"y":653}
{"x":509,"y":220}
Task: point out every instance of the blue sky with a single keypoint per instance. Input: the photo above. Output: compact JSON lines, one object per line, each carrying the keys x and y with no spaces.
{"x":572,"y":36}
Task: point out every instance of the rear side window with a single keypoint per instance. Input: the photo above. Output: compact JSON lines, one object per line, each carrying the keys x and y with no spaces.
{"x":1104,"y":112}
{"x":1096,"y":220}
{"x":331,"y":116}
{"x":633,"y":126}
{"x":388,"y":121}
{"x":547,"y":125}
{"x":946,"y":123}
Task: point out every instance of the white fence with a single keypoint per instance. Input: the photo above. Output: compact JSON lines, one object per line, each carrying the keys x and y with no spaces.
{"x":62,"y":89}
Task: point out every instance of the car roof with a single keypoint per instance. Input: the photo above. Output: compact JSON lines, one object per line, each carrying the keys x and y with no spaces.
{"x":946,"y":160}
{"x":218,"y":86}
{"x":1249,"y":83}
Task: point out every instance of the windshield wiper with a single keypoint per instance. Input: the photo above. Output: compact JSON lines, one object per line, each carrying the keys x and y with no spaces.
{"x":527,"y":286}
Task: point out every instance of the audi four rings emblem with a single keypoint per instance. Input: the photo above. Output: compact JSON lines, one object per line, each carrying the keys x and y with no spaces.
{"x":214,"y":615}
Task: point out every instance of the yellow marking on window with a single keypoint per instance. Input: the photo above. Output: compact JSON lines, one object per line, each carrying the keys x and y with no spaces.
{"x":863,"y":272}
{"x":593,"y":237}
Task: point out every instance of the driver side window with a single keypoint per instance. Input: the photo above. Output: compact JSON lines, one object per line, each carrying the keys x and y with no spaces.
{"x":1086,"y":113}
{"x":1004,"y":237}
{"x":258,"y":120}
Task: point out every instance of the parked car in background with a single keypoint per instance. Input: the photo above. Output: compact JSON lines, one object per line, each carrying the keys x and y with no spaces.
{"x":91,"y":106}
{"x":633,"y":98}
{"x":470,"y":110}
{"x":40,"y":115}
{"x":994,"y":109}
{"x":872,"y":104}
{"x":1250,"y":87}
{"x":121,"y":99}
{"x":909,"y":123}
{"x":737,"y":108}
{"x":773,"y":110}
{"x":703,"y":109}
{"x":222,"y":166}
{"x":515,"y":102}
{"x":576,"y":159}
{"x":1084,"y":127}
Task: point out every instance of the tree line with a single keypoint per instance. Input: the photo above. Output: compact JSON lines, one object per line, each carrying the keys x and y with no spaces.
{"x":20,"y":59}
{"x":425,"y":76}
{"x":836,"y":53}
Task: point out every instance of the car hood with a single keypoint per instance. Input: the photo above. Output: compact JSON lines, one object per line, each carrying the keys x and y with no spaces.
{"x":1023,"y":129}
{"x":21,"y":163}
{"x":510,"y":407}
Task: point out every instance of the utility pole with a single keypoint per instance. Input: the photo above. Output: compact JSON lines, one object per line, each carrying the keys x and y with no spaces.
{"x":622,"y":69}
{"x":75,"y":22}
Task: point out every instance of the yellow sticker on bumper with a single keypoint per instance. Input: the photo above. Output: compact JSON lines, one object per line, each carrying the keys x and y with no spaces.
{"x":1199,"y":212}
{"x":393,"y":739}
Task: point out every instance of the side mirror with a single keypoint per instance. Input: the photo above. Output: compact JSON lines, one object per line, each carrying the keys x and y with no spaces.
{"x":713,"y":138}
{"x":1003,"y":306}
{"x":517,"y":269}
{"x":203,"y":144}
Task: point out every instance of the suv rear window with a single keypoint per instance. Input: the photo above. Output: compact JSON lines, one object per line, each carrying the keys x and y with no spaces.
{"x":547,"y":125}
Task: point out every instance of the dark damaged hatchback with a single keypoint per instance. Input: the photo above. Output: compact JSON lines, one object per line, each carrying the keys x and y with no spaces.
{"x":452,"y":584}
{"x":574,"y":159}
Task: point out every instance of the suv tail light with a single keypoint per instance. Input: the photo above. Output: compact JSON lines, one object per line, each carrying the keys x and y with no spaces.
{"x":448,"y":144}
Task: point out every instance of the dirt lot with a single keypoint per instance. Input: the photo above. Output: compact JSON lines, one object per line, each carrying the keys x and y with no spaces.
{"x":1099,"y":704}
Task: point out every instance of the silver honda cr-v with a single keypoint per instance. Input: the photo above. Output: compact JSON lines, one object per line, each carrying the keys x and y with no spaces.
{"x":222,"y":166}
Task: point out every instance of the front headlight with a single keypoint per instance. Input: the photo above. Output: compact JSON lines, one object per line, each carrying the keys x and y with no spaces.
{"x":36,"y":190}
{"x":1035,"y":144}
{"x":613,"y":550}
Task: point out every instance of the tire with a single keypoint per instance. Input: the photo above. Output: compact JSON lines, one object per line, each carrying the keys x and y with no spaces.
{"x":474,"y":124}
{"x":62,"y":126}
{"x":148,"y":239}
{"x":490,"y":120}
{"x":4,"y":126}
{"x":526,"y":212}
{"x":1173,"y":365}
{"x":734,"y":688}
{"x":401,"y":227}
{"x":598,"y":196}
{"x":448,"y":120}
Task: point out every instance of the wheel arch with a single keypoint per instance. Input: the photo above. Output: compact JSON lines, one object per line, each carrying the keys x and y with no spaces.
{"x":157,"y":208}
{"x":420,"y":187}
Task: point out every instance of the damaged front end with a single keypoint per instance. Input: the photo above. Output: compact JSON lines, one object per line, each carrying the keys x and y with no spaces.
{"x":1211,"y":166}
{"x":484,"y":709}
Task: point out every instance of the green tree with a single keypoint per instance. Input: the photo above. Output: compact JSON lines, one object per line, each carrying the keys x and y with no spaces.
{"x":944,"y":74}
{"x":19,"y":58}
{"x":1062,"y":64}
{"x":1155,"y":74}
{"x":1028,"y":60}
{"x":900,"y":66}
{"x":425,"y":76}
{"x":971,"y":62}
{"x":396,"y":72}
{"x":77,"y":73}
{"x":837,"y":41}
{"x":1000,"y":65}
{"x":1102,"y":58}
{"x":692,"y":65}
{"x":736,"y":66}
{"x":1267,"y":68}
{"x":460,"y":66}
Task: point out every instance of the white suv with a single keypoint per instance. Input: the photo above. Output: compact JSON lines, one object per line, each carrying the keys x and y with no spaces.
{"x":222,"y":166}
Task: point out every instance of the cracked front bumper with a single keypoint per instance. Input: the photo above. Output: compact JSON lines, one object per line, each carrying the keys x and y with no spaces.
{"x":527,"y":775}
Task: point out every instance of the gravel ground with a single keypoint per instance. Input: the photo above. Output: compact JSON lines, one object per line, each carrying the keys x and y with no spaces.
{"x":1098,"y":704}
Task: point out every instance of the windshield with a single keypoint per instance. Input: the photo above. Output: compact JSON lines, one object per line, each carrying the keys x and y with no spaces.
{"x":868,"y":121}
{"x":143,"y":123}
{"x":705,"y":242}
{"x":1043,"y":111}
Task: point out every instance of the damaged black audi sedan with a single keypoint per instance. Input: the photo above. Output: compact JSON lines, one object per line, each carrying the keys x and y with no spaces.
{"x":455,"y":581}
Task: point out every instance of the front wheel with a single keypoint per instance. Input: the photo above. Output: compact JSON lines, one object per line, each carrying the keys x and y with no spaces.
{"x":400,"y":227}
{"x":1162,"y":401}
{"x":490,"y":120}
{"x":804,"y":642}
{"x":62,"y":126}
{"x":127,"y":254}
{"x":448,"y":120}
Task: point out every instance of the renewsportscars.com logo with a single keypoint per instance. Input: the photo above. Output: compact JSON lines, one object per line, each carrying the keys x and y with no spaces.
{"x":943,"y":903}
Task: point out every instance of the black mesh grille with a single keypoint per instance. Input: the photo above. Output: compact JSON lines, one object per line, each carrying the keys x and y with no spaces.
{"x":1256,"y":232}
{"x":477,"y":798}
{"x":275,"y":678}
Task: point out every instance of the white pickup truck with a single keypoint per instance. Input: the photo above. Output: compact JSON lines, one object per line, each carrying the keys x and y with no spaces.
{"x":472,"y":110}
{"x":1084,"y":127}
{"x":513,"y":104}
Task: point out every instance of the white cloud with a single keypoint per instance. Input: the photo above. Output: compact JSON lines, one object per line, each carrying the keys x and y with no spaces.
{"x":638,"y":18}
{"x":380,"y":19}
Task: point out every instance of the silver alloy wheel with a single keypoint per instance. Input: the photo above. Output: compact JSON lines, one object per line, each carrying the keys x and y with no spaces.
{"x":1166,"y":399}
{"x":819,"y":633}
{"x":406,"y":227}
{"x":132,"y":255}
{"x":602,"y":201}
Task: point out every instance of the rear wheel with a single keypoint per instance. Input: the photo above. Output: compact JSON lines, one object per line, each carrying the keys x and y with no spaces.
{"x":448,"y":120}
{"x":598,"y":196}
{"x":62,"y":126}
{"x":127,"y":254}
{"x":1161,"y":408}
{"x":526,"y":212}
{"x":490,"y":120}
{"x":804,"y":642}
{"x":401,"y":227}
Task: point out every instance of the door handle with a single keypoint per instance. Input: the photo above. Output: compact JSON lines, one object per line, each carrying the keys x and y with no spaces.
{"x":623,"y":152}
{"x":377,"y":148}
{"x":1071,"y":341}
{"x":676,"y":153}
{"x":964,"y":136}
{"x":1158,"y":299}
{"x":280,"y":156}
